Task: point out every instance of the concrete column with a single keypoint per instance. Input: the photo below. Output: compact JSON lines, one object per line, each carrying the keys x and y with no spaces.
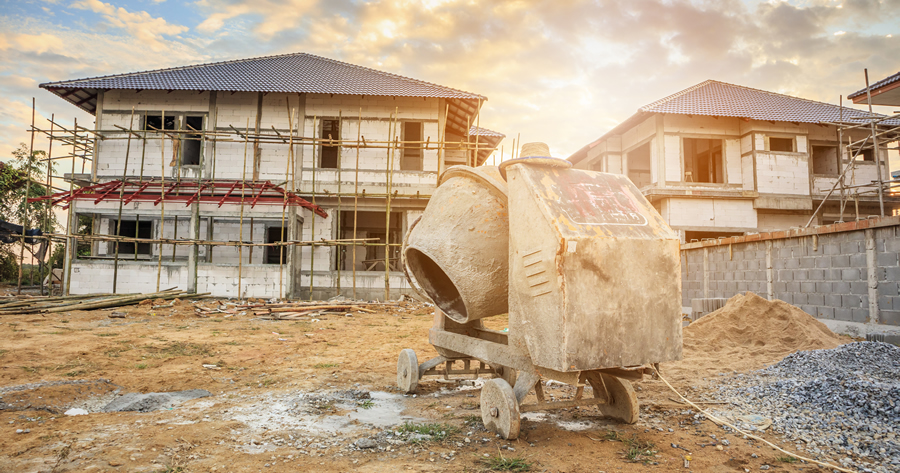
{"x":194,"y":255}
{"x":292,"y":255}
{"x":770,"y":272}
{"x":871,"y":270}
{"x":706,"y":273}
{"x":71,"y":248}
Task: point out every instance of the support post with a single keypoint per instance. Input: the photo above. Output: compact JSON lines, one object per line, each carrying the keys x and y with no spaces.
{"x":872,"y":276}
{"x":770,"y":272}
{"x":194,"y":255}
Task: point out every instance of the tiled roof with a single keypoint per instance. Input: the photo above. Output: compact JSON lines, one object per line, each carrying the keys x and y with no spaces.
{"x":719,"y":99}
{"x":485,"y":132}
{"x":883,"y":82}
{"x":292,"y":73}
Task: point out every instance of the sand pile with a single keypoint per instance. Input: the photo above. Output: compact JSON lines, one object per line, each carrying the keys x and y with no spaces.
{"x":751,"y":332}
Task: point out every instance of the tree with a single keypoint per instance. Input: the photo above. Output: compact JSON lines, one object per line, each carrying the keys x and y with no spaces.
{"x":15,"y":189}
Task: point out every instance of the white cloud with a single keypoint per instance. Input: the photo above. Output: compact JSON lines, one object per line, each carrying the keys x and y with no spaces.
{"x":144,"y":27}
{"x":563,"y":73}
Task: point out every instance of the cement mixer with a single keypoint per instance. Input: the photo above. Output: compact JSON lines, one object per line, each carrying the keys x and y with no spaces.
{"x":586,"y":269}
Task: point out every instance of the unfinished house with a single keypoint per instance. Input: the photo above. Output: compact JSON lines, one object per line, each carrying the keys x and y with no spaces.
{"x":721,"y":160}
{"x":285,"y":176}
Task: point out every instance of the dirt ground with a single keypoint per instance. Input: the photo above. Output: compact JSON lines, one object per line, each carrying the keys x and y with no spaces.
{"x":263,"y":414}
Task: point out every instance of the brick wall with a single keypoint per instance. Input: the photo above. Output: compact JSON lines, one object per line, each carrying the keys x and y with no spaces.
{"x":847,"y":272}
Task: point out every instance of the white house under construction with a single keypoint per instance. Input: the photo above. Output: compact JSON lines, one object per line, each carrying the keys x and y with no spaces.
{"x":281,"y":176}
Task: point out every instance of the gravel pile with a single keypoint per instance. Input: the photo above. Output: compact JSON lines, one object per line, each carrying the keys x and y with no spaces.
{"x":841,"y":404}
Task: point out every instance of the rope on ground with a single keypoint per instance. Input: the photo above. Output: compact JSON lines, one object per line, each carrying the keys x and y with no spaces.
{"x":721,"y":421}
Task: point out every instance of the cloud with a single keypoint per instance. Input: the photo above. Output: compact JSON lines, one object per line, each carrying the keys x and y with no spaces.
{"x":144,"y":27}
{"x":560,"y":72}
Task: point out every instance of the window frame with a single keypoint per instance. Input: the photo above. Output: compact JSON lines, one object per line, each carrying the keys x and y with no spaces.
{"x":113,"y":231}
{"x":793,"y":140}
{"x":722,"y":163}
{"x":181,"y":124}
{"x":408,"y":152}
{"x":838,"y":162}
{"x":273,"y":251}
{"x":330,"y":147}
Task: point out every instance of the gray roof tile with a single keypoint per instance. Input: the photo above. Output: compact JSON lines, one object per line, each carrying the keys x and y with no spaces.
{"x":883,"y":82}
{"x":720,"y":99}
{"x":292,"y":73}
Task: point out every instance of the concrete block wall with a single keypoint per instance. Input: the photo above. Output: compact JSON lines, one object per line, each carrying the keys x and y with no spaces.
{"x":782,"y":173}
{"x":259,"y":280}
{"x":713,"y":213}
{"x":848,"y":273}
{"x":240,"y":110}
{"x":93,"y":277}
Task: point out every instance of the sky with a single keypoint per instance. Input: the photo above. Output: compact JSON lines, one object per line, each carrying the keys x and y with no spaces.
{"x":559,"y":71}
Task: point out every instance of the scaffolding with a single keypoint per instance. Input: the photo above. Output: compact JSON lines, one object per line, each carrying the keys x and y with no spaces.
{"x":878,"y":129}
{"x":80,"y":144}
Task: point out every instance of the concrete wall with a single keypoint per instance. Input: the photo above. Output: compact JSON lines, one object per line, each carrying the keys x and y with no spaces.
{"x":374,"y":118}
{"x":847,"y":273}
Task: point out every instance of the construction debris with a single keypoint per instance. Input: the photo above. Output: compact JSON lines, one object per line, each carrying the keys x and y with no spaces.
{"x":48,"y":305}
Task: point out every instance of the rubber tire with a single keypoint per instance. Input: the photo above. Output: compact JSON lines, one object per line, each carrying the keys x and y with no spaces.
{"x":498,"y":394}
{"x":408,"y":371}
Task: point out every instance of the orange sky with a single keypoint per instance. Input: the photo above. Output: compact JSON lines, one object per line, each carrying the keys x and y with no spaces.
{"x":562,"y":72}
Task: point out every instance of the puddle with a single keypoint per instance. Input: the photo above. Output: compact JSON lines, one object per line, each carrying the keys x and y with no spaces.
{"x":570,"y":425}
{"x":323,"y":414}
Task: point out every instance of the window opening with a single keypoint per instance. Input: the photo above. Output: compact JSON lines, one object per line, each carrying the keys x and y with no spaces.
{"x":275,"y":254}
{"x":191,"y":143}
{"x":155,"y":122}
{"x":825,"y":160}
{"x":866,"y":155}
{"x":411,"y":157}
{"x":639,"y":165}
{"x":370,"y":225}
{"x":329,"y":152}
{"x":129,"y":229}
{"x":703,"y":160}
{"x":785,"y":145}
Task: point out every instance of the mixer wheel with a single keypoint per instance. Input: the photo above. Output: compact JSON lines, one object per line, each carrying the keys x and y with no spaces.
{"x":500,"y":409}
{"x":408,"y":371}
{"x":623,"y":402}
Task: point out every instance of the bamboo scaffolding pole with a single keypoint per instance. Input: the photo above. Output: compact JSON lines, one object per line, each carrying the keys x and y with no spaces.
{"x":389,"y":174}
{"x":312,"y":232}
{"x":162,"y":194}
{"x":356,"y":194}
{"x":477,"y":132}
{"x":48,"y":222}
{"x":121,"y":201}
{"x":25,"y":204}
{"x":840,"y":160}
{"x":71,"y":244}
{"x":287,"y":173}
{"x":340,"y":156}
{"x":241,"y":225}
{"x":875,"y":152}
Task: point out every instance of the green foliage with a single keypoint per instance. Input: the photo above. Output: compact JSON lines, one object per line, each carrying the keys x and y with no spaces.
{"x":787,"y":459}
{"x":14,"y":177}
{"x":21,"y":178}
{"x":436,"y":432}
{"x":501,"y":463}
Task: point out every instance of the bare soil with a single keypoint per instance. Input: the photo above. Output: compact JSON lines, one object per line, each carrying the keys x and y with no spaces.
{"x":273,"y":406}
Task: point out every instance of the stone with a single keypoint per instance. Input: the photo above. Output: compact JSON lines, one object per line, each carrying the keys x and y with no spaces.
{"x":76,"y":412}
{"x":153,"y":401}
{"x":366,"y":443}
